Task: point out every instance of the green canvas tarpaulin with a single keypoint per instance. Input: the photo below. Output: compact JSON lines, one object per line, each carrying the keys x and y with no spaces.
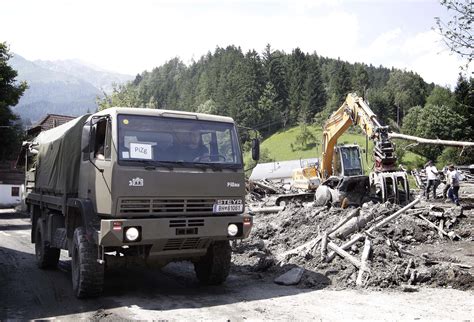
{"x":59,"y":156}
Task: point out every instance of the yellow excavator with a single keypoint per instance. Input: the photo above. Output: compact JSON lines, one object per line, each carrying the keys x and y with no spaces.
{"x":339,"y":178}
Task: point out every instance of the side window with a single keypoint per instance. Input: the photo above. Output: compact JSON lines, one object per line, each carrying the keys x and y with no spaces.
{"x":108,"y":140}
{"x":15,"y":191}
{"x":99,"y":144}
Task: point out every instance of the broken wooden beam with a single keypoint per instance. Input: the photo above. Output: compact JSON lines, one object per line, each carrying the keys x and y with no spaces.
{"x":341,"y":252}
{"x":364,"y":268}
{"x":324,"y":246}
{"x":433,"y":225}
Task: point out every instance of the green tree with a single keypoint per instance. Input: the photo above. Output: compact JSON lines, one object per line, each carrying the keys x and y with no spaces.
{"x":457,"y":32}
{"x":208,"y":107}
{"x":464,"y":97}
{"x":10,"y":93}
{"x":406,"y":90}
{"x":340,"y":83}
{"x":297,"y":79}
{"x":441,"y":96}
{"x":268,"y":106}
{"x":360,"y":81}
{"x":314,"y":98}
{"x":433,"y":122}
{"x":122,"y":96}
{"x":274,"y":67}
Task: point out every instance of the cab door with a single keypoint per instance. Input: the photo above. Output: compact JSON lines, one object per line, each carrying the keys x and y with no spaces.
{"x":100,"y":174}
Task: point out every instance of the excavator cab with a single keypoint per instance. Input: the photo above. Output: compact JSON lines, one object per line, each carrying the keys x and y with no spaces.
{"x":347,"y":161}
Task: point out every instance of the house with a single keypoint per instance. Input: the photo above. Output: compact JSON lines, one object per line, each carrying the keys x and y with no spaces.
{"x":48,"y":122}
{"x":12,"y":175}
{"x":11,"y":184}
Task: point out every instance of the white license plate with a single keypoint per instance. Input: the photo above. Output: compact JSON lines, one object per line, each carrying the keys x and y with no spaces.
{"x":228,"y":208}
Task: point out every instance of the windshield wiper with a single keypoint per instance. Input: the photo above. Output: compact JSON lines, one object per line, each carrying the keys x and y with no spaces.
{"x":153,"y":164}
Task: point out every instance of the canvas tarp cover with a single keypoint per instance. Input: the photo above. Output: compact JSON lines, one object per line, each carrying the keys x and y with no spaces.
{"x":59,"y":156}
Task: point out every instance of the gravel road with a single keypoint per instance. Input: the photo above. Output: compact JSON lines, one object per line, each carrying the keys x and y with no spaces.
{"x":27,"y":292}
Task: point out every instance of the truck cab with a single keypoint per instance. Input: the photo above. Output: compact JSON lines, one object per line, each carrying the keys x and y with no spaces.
{"x":148,"y":185}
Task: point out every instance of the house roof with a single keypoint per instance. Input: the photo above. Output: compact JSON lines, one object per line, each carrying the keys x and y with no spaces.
{"x":48,"y":122}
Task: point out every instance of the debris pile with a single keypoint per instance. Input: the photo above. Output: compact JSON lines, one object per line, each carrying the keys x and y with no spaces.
{"x":375,"y":245}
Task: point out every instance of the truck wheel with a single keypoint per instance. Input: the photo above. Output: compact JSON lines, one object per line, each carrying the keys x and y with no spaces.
{"x":87,"y":273}
{"x":213,"y":268}
{"x":46,"y":256}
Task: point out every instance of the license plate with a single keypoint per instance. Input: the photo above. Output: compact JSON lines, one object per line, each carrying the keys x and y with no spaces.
{"x":225,"y":207}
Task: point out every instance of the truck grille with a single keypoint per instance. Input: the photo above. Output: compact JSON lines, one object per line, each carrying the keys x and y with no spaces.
{"x":182,"y":243}
{"x":165,"y":206}
{"x":186,"y":223}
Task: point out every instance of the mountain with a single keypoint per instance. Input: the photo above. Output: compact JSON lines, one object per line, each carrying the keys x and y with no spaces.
{"x":66,"y":87}
{"x":98,"y":77}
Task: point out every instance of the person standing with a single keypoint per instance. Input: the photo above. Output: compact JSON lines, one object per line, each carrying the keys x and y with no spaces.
{"x":447,"y":184}
{"x":454,"y":181}
{"x":432,"y":176}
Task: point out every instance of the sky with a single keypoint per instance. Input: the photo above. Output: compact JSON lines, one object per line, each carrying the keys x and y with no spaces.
{"x":130,"y":36}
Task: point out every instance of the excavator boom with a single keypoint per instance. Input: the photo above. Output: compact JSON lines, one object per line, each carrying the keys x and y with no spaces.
{"x":355,"y":111}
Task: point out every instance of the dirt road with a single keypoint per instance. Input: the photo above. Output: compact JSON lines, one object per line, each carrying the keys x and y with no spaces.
{"x":173,"y":293}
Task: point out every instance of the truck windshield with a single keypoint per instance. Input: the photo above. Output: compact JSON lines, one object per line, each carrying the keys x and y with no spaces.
{"x":175,"y":141}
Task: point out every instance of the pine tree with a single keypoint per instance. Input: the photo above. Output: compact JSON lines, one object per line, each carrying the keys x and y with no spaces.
{"x":10,"y":93}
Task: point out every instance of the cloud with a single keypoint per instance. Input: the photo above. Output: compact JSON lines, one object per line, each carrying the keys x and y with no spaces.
{"x":129,"y":36}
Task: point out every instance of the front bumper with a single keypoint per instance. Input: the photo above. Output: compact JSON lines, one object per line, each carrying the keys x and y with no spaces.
{"x":173,"y":234}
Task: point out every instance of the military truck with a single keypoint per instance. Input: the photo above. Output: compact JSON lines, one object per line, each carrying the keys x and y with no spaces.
{"x":137,"y":185}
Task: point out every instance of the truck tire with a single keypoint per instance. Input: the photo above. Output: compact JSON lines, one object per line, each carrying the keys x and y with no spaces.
{"x":46,"y":256}
{"x":213,"y":268}
{"x":87,"y":273}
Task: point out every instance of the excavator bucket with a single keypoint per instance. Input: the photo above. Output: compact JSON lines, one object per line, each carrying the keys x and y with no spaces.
{"x":391,"y":186}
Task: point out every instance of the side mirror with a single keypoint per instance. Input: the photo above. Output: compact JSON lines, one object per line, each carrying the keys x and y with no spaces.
{"x":255,"y":149}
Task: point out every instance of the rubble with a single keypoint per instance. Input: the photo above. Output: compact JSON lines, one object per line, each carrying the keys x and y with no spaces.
{"x":375,"y":245}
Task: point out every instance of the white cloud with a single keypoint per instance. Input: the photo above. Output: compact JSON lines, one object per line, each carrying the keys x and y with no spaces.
{"x":130,"y":36}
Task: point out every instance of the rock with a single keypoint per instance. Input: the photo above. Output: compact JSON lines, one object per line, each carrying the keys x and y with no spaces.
{"x":292,"y":277}
{"x":409,"y":288}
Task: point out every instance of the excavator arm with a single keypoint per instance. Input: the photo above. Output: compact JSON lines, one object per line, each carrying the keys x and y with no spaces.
{"x":355,"y":111}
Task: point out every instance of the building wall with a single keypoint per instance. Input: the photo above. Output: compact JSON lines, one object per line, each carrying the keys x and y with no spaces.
{"x":6,"y":198}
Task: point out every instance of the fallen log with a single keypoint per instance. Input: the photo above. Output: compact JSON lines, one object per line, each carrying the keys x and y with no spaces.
{"x":380,"y":224}
{"x":312,"y":243}
{"x":417,"y":139}
{"x":394,"y":215}
{"x":344,"y":220}
{"x":267,"y":210}
{"x":354,"y":224}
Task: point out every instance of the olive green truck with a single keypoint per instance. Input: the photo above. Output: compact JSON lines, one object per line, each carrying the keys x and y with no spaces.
{"x":137,"y":185}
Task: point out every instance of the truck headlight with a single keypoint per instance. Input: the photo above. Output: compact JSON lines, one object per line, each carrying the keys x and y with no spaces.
{"x":232,"y":230}
{"x":132,"y":234}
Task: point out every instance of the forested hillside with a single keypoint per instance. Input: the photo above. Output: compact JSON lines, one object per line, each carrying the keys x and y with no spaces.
{"x":274,"y":90}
